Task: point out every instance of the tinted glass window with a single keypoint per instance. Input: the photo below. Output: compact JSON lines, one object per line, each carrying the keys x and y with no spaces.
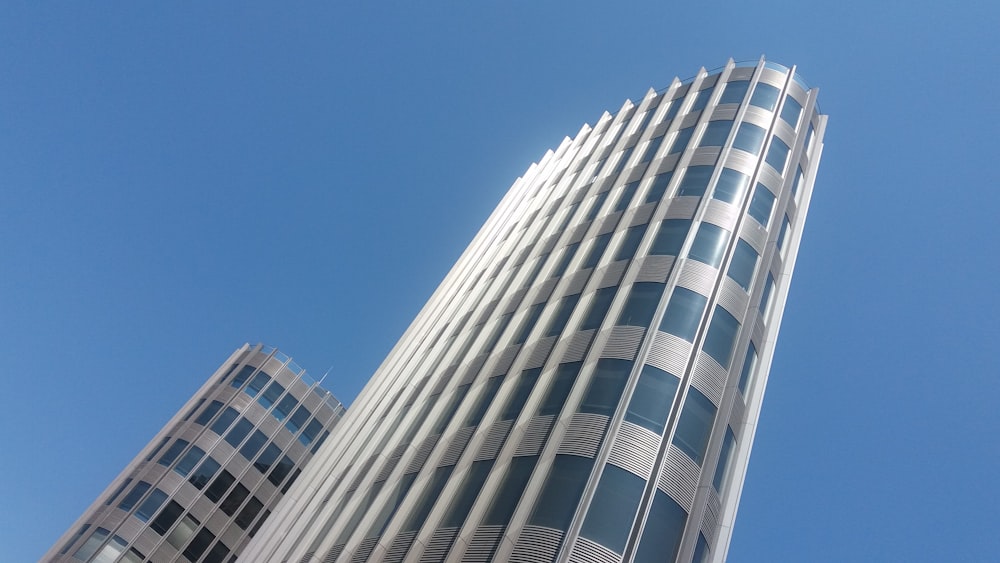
{"x":596,"y":250}
{"x":765,"y":96}
{"x":725,"y":458}
{"x":430,"y":495}
{"x":658,"y":187}
{"x":242,"y":376}
{"x":519,"y":396}
{"x":256,"y":384}
{"x":633,"y":236}
{"x":219,"y":486}
{"x":528,"y":323}
{"x":240,"y":431}
{"x":651,"y":148}
{"x":606,"y":386}
{"x":150,"y":505}
{"x":749,"y":138}
{"x":564,"y":261}
{"x":652,"y":398}
{"x":613,"y":507}
{"x":721,"y":336}
{"x":761,"y":205}
{"x":777,"y":154}
{"x":225,"y":419}
{"x":167,"y":517}
{"x":486,"y":396}
{"x":625,"y":199}
{"x":280,"y":471}
{"x":734,"y":92}
{"x":190,"y":459}
{"x":449,"y":411}
{"x":695,"y":425}
{"x":562,"y":383}
{"x":749,"y":363}
{"x":510,"y":491}
{"x":249,"y":512}
{"x":683,"y":313}
{"x":695,"y":180}
{"x":267,"y":459}
{"x":709,"y":244}
{"x":668,"y":519}
{"x":566,"y":306}
{"x":781,"y":235}
{"x":297,"y":419}
{"x":670,"y":238}
{"x":681,"y":140}
{"x":498,"y":331}
{"x":271,"y":394}
{"x":791,"y":111}
{"x":701,"y":100}
{"x":595,"y":207}
{"x":254,"y":444}
{"x":204,"y":473}
{"x":743,"y":265}
{"x":234,"y":499}
{"x":641,"y":304}
{"x":134,"y":495}
{"x":172,"y":452}
{"x":561,"y":492}
{"x":730,"y":186}
{"x":208,"y":413}
{"x":284,"y":408}
{"x":467,"y":493}
{"x":765,"y":299}
{"x":716,"y":133}
{"x":599,"y":308}
{"x":199,"y":544}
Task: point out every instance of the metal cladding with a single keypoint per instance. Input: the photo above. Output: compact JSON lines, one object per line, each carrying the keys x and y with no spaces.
{"x":585,"y":383}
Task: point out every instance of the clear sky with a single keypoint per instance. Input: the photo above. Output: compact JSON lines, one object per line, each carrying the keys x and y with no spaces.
{"x":179,"y":178}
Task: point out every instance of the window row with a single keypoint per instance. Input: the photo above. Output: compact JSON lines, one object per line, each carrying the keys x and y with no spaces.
{"x":268,"y":393}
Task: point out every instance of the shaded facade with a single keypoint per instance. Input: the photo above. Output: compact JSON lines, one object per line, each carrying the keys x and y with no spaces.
{"x":585,"y":383}
{"x":211,"y":477}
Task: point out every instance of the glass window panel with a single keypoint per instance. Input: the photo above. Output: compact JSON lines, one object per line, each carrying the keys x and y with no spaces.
{"x":765,"y":96}
{"x":219,"y":487}
{"x":743,"y":265}
{"x":595,"y":207}
{"x":117,"y":492}
{"x":528,"y":323}
{"x":761,"y":205}
{"x":566,"y":306}
{"x":267,"y":459}
{"x":599,"y":308}
{"x":735,"y":92}
{"x":271,"y":394}
{"x":625,"y":199}
{"x":701,"y":100}
{"x":486,"y":397}
{"x":596,"y":251}
{"x":749,"y":365}
{"x":525,"y":383}
{"x":239,"y":431}
{"x":709,"y":244}
{"x":651,"y":148}
{"x":721,"y":336}
{"x":561,"y":492}
{"x":204,"y":473}
{"x":288,"y":483}
{"x":234,"y":499}
{"x":668,"y":519}
{"x":257,"y":383}
{"x":651,"y":401}
{"x":695,"y":425}
{"x":641,"y":304}
{"x":172,"y":452}
{"x":701,"y":552}
{"x":134,"y":495}
{"x":498,"y":331}
{"x":564,"y":261}
{"x":675,"y":105}
{"x":730,"y":186}
{"x":319,"y":442}
{"x":90,"y":546}
{"x":183,"y":531}
{"x":749,"y":138}
{"x":683,"y":313}
{"x":285,"y":407}
{"x":449,"y":412}
{"x":281,"y":470}
{"x":190,"y":459}
{"x":659,"y":187}
{"x":430,"y":495}
{"x":194,"y":408}
{"x":562,"y":384}
{"x":242,"y":376}
{"x":670,"y":238}
{"x":765,"y":299}
{"x":254,"y":444}
{"x":249,"y":512}
{"x":725,"y":458}
{"x":170,"y":513}
{"x":791,"y":111}
{"x":157,"y":449}
{"x":208,"y":413}
{"x":681,"y":140}
{"x":782,"y":234}
{"x":199,"y":544}
{"x":716,"y":133}
{"x":695,"y":181}
{"x":391,"y":505}
{"x":462,"y":502}
{"x":298,"y":418}
{"x":633,"y":236}
{"x":777,"y":154}
{"x":510,"y":491}
{"x":135,"y":556}
{"x":797,"y":184}
{"x":613,"y":507}
{"x":225,"y":419}
{"x":606,"y":386}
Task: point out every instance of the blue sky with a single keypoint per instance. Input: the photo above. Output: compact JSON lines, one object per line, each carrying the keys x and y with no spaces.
{"x":179,"y":178}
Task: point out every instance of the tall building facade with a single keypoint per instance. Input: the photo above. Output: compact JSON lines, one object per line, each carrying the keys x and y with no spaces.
{"x":211,"y":477}
{"x":585,"y":383}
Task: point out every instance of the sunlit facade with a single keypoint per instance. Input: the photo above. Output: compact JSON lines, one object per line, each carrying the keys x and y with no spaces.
{"x":211,"y":477}
{"x":585,"y":383}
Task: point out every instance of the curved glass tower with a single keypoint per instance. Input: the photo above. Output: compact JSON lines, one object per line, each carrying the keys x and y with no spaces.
{"x":211,"y":477}
{"x":585,"y":383}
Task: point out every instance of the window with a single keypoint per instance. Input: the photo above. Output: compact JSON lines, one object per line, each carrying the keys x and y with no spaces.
{"x":281,"y":470}
{"x":596,"y":251}
{"x":681,"y":140}
{"x":701,"y":551}
{"x":249,"y":512}
{"x":391,"y":505}
{"x":253,"y":445}
{"x":418,"y":515}
{"x":167,"y":517}
{"x":620,"y":163}
{"x":271,"y":394}
{"x":749,"y":138}
{"x":709,"y":244}
{"x":311,"y":431}
{"x":204,"y":473}
{"x":791,"y":111}
{"x":562,"y":384}
{"x":225,"y":419}
{"x":781,"y":236}
{"x":457,"y":396}
{"x":239,"y":431}
{"x":652,"y":398}
{"x":659,"y":187}
{"x":725,"y":458}
{"x":190,"y":459}
{"x":134,"y":495}
{"x":528,"y":323}
{"x":285,"y":407}
{"x":651,"y":148}
{"x":683,"y":313}
{"x":157,"y":449}
{"x":219,"y":486}
{"x":267,"y":459}
{"x":633,"y":236}
{"x":561,"y":492}
{"x":194,"y":408}
{"x":485,"y":400}
{"x":743,"y":264}
{"x":668,"y":519}
{"x":111,"y":551}
{"x":234,"y":499}
{"x":498,"y":331}
{"x":510,"y":491}
{"x":535,"y":270}
{"x":734,"y":92}
{"x":765,"y":96}
{"x":172,"y":452}
{"x":79,"y":534}
{"x":613,"y":507}
{"x":695,"y":180}
{"x":641,"y":304}
{"x":599,"y":308}
{"x":298,"y":419}
{"x":765,"y":299}
{"x":558,"y":323}
{"x":730,"y":186}
{"x":777,"y":154}
{"x":797,"y":184}
{"x":716,"y":133}
{"x":183,"y":531}
{"x":701,"y":100}
{"x":90,"y":546}
{"x":749,"y":366}
{"x":466,"y":495}
{"x":761,"y":205}
{"x":625,"y":199}
{"x":606,"y":386}
{"x":670,"y":238}
{"x":199,"y":544}
{"x":519,"y":395}
{"x":595,"y":207}
{"x":675,"y":105}
{"x":565,"y":260}
{"x":721,"y":336}
{"x":208,"y":413}
{"x":242,"y":376}
{"x":695,"y":425}
{"x":118,"y":491}
{"x":256,"y":384}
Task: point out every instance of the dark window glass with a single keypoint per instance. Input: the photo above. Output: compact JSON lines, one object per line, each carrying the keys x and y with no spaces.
{"x":606,"y":386}
{"x":190,"y":459}
{"x":249,"y":512}
{"x":219,"y":486}
{"x":257,"y":383}
{"x":652,"y":398}
{"x":225,"y":419}
{"x":743,"y":264}
{"x":701,"y":552}
{"x":528,"y":323}
{"x":199,"y":544}
{"x":641,"y":304}
{"x":734,"y":92}
{"x":242,"y":376}
{"x":254,"y":444}
{"x":765,"y":96}
{"x":709,"y":244}
{"x":280,"y":471}
{"x":599,"y":308}
{"x":497,"y":332}
{"x":619,"y":165}
{"x":391,"y":505}
{"x":172,"y":452}
{"x":430,"y":495}
{"x":204,"y":473}
{"x":561,"y":492}
{"x":791,"y":111}
{"x":659,"y":187}
{"x":288,"y":483}
{"x":157,"y":449}
{"x":239,"y":431}
{"x":765,"y":300}
{"x":670,"y":238}
{"x":311,"y":431}
{"x":749,"y":138}
{"x":79,"y":534}
{"x":695,"y":180}
{"x":596,"y":250}
{"x":782,"y":234}
{"x":613,"y":507}
{"x":267,"y":459}
{"x":449,"y":411}
{"x":194,"y":408}
{"x":298,"y":418}
{"x":716,"y":133}
{"x":486,"y":396}
{"x":134,"y":495}
{"x":625,"y":199}
{"x":701,"y":100}
{"x":284,"y":407}
{"x":683,"y":313}
{"x":167,"y":517}
{"x":208,"y":413}
{"x":725,"y":458}
{"x":271,"y":394}
{"x":562,"y":383}
{"x":117,"y":492}
{"x":564,"y":261}
{"x":458,"y":511}
{"x":633,"y":236}
{"x":761,"y":205}
{"x":675,"y":105}
{"x":558,"y":322}
{"x":668,"y":519}
{"x":681,"y":140}
{"x":234,"y":499}
{"x":535,"y":270}
{"x":721,"y":336}
{"x":730,"y":186}
{"x":777,"y":155}
{"x":797,"y":184}
{"x":318,"y":443}
{"x":651,"y":148}
{"x":695,"y":425}
{"x":217,"y":554}
{"x":150,"y":505}
{"x":595,"y":207}
{"x":749,"y":363}
{"x":510,"y":491}
{"x":571,"y":211}
{"x":525,"y":383}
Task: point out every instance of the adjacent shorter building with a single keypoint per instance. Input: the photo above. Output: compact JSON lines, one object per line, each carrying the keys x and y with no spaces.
{"x":210,"y":478}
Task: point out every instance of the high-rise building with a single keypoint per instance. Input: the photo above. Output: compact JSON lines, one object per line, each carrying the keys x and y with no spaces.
{"x":585,"y":383}
{"x":211,"y":477}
